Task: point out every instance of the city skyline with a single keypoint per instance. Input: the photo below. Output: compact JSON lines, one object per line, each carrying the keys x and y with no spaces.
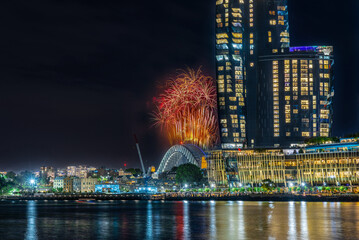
{"x":82,"y":111}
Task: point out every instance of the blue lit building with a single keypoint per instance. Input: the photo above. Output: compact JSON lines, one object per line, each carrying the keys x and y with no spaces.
{"x":107,"y":188}
{"x":338,"y":147}
{"x":149,"y":189}
{"x":269,"y":94}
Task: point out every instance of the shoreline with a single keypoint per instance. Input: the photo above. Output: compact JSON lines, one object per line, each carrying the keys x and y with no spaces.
{"x":194,"y":197}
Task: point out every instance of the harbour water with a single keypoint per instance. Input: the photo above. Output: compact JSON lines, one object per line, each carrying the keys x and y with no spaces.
{"x":35,"y":220}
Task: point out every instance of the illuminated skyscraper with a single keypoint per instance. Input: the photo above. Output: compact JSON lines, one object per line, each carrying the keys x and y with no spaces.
{"x":250,"y":34}
{"x":230,"y":56}
{"x":295,"y":96}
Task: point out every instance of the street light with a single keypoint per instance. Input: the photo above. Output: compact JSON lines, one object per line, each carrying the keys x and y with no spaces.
{"x":303,"y":184}
{"x":32,"y":183}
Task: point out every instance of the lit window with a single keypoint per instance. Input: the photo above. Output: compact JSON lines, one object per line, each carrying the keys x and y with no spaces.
{"x":305,"y":134}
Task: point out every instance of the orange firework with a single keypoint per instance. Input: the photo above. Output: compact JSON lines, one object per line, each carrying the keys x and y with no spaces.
{"x":187,"y":109}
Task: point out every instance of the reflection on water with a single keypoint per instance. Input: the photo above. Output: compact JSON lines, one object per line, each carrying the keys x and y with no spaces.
{"x":31,"y":232}
{"x":35,"y":220}
{"x":292,"y":233}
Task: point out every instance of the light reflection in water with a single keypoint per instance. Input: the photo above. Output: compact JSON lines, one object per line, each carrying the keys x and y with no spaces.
{"x":303,"y":220}
{"x":335,"y":216}
{"x":270,"y":212}
{"x":103,"y":222}
{"x":232,"y":218}
{"x":186,"y":220}
{"x":292,"y":227}
{"x":212,"y":220}
{"x":149,"y":224}
{"x":241,"y":224}
{"x":180,"y":220}
{"x":31,"y":232}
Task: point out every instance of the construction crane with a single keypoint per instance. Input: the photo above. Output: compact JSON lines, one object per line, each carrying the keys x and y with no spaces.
{"x":140,"y":156}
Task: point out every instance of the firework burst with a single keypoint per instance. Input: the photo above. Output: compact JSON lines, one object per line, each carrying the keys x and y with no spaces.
{"x":187,"y":109}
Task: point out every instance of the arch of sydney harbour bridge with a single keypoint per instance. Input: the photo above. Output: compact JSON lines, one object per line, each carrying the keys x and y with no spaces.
{"x":181,"y":154}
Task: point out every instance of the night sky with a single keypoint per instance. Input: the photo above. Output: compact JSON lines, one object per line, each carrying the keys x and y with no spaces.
{"x":77,"y":77}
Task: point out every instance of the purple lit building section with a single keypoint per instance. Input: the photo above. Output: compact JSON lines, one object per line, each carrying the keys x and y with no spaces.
{"x":309,"y":48}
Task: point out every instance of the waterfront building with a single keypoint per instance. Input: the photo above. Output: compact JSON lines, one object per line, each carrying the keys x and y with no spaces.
{"x":88,"y":185}
{"x":331,"y":164}
{"x":107,"y":188}
{"x":68,"y":184}
{"x":256,"y":68}
{"x":58,"y":183}
{"x":76,"y":184}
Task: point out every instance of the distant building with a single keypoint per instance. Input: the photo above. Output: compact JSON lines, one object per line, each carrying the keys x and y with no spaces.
{"x":48,"y":173}
{"x":106,"y":172}
{"x":71,"y":171}
{"x":68,"y":184}
{"x":83,"y":171}
{"x":88,"y":185}
{"x":107,"y":188}
{"x":121,"y":172}
{"x":90,"y":171}
{"x":61,"y":172}
{"x":59,"y":183}
{"x":76,"y":184}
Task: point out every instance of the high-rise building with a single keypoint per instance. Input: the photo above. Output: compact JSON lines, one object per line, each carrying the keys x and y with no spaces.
{"x":250,"y":36}
{"x":295,"y":96}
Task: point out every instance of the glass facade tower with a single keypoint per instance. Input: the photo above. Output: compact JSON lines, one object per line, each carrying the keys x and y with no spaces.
{"x":252,"y":44}
{"x":230,"y":56}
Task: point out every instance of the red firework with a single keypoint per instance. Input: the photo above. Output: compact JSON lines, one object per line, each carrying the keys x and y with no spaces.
{"x":187,"y":109}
